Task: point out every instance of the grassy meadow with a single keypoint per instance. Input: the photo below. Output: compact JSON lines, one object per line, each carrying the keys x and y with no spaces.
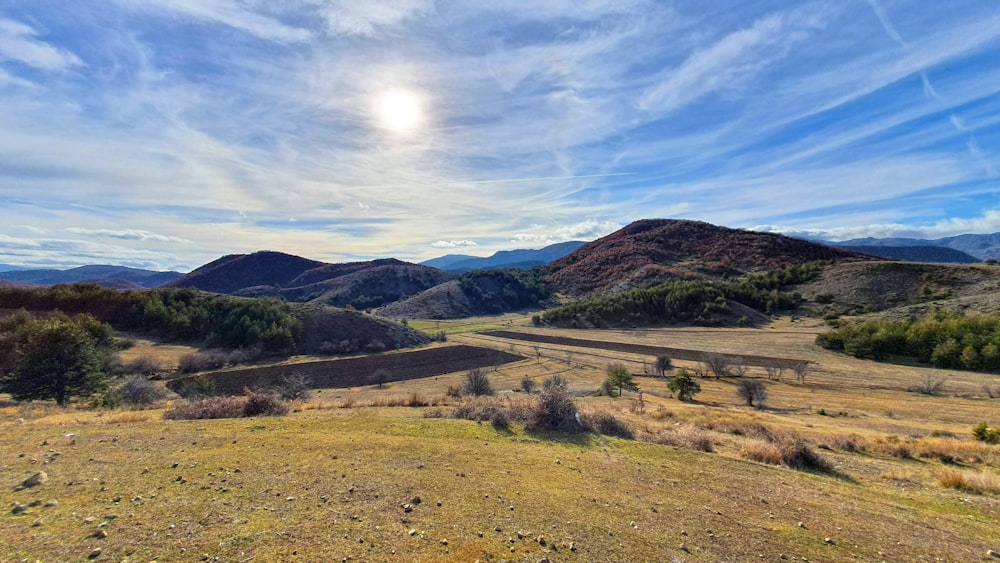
{"x":350,"y":476}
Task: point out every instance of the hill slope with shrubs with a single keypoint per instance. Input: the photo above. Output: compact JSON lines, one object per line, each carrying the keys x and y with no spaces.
{"x":361,"y":285}
{"x":652,"y":251}
{"x":480,"y":292}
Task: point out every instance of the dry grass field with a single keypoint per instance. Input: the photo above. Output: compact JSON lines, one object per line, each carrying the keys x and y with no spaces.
{"x":903,"y":479}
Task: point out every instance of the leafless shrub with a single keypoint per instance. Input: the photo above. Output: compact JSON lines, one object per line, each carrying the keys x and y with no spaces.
{"x":555,"y":411}
{"x":801,"y":370}
{"x":381,"y":377}
{"x":603,"y":422}
{"x":663,"y":365}
{"x":929,"y":385}
{"x":294,"y":386}
{"x":752,"y":391}
{"x":718,"y":365}
{"x":481,"y":409}
{"x":259,"y":403}
{"x":528,"y":385}
{"x":144,"y":365}
{"x":138,"y":390}
{"x":774,"y":372}
{"x":212,"y":407}
{"x":555,"y":381}
{"x":196,"y":388}
{"x":477,"y":383}
{"x":685,"y":436}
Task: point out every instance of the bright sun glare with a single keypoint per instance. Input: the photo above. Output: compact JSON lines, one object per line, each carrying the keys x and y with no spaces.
{"x":399,"y":110}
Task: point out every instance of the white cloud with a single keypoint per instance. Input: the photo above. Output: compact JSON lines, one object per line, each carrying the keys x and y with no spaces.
{"x":127,"y":234}
{"x":230,"y":13}
{"x":589,"y":229}
{"x":454,"y":243}
{"x":351,"y":17}
{"x":20,"y":43}
{"x":988,"y":222}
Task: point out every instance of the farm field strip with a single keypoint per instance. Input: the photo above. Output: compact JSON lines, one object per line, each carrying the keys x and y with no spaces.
{"x":351,"y":372}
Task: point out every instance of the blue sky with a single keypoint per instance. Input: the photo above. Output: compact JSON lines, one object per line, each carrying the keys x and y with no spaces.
{"x":166,"y":133}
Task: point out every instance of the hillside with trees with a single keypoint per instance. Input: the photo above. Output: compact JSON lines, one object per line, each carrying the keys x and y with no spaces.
{"x":480,"y":292}
{"x":652,"y":251}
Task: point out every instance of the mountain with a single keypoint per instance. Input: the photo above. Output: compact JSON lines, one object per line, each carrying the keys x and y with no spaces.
{"x":104,"y":275}
{"x":983,"y":247}
{"x":9,"y":268}
{"x":283,"y":276}
{"x":651,"y":251}
{"x":446,"y":261}
{"x":520,"y":259}
{"x":933,"y":254}
{"x":234,"y":272}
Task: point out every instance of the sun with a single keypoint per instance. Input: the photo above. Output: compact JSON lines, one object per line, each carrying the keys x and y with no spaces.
{"x":399,"y":110}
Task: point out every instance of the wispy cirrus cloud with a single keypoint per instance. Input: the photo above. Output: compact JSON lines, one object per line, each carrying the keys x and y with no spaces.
{"x":216,"y":121}
{"x":21,"y":43}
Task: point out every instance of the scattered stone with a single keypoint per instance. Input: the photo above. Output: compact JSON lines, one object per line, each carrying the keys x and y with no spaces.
{"x":541,"y":540}
{"x":289,"y":499}
{"x":35,"y":480}
{"x":34,"y":503}
{"x":520,"y":535}
{"x":439,"y":503}
{"x":95,"y":554}
{"x":407,"y":507}
{"x":801,"y":525}
{"x":412,"y":532}
{"x":19,"y":508}
{"x":828,"y":541}
{"x":683,"y":547}
{"x":51,"y":504}
{"x":36,"y":523}
{"x":991,"y":553}
{"x":572,"y":546}
{"x":497,"y":529}
{"x":99,"y":534}
{"x":415,"y":500}
{"x":444,"y":542}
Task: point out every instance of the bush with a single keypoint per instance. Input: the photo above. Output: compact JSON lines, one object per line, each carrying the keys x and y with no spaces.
{"x":201,"y":361}
{"x":751,"y":391}
{"x":259,"y":403}
{"x":196,"y":388}
{"x":663,"y":365}
{"x":294,"y":386}
{"x":607,"y":424}
{"x":528,"y":385}
{"x":789,"y":451}
{"x":482,"y":409}
{"x":144,"y":365}
{"x":606,"y":389}
{"x":137,"y":390}
{"x":984,"y":433}
{"x":555,"y":411}
{"x":717,"y":364}
{"x":978,"y":483}
{"x":477,"y":383}
{"x":554,"y":382}
{"x":212,"y":407}
{"x":684,"y":385}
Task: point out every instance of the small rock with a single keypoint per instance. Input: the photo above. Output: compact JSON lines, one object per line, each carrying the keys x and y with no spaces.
{"x":415,"y":500}
{"x":35,"y":480}
{"x":828,"y":541}
{"x":444,"y":542}
{"x":407,"y":507}
{"x":439,"y":503}
{"x":520,"y":535}
{"x":801,"y":525}
{"x":51,"y":504}
{"x":412,"y":532}
{"x":95,"y":554}
{"x":992,"y":553}
{"x":289,"y":499}
{"x":36,"y":523}
{"x":497,"y":529}
{"x":99,"y":534}
{"x":541,"y":540}
{"x":572,"y":546}
{"x":682,"y":547}
{"x":19,"y":508}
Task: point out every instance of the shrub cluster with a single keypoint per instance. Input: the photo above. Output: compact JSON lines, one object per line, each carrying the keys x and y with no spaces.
{"x":252,"y":403}
{"x":495,"y":291}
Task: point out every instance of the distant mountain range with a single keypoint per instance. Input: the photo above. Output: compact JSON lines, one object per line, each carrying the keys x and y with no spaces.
{"x":933,"y":254}
{"x":515,"y":259}
{"x":118,"y":277}
{"x":983,"y":247}
{"x":8,"y":268}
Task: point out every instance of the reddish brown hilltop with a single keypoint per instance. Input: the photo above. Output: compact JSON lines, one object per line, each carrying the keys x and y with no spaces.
{"x":650,"y":251}
{"x":237,"y":271}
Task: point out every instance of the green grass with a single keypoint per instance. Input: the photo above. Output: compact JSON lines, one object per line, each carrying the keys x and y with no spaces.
{"x":452,"y":327}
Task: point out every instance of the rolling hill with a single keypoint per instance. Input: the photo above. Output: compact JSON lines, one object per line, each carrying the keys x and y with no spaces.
{"x":117,"y":277}
{"x":521,"y":259}
{"x":651,"y":251}
{"x":274,"y":274}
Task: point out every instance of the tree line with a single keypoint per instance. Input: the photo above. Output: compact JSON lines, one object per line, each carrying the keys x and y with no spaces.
{"x":949,"y":340}
{"x":174,"y":314}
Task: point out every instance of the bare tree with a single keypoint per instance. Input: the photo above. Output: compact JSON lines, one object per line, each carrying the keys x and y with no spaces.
{"x":801,"y":370}
{"x":740,"y":369}
{"x":477,"y":383}
{"x":663,"y":365}
{"x":774,"y":372}
{"x":717,"y":364}
{"x":751,"y":391}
